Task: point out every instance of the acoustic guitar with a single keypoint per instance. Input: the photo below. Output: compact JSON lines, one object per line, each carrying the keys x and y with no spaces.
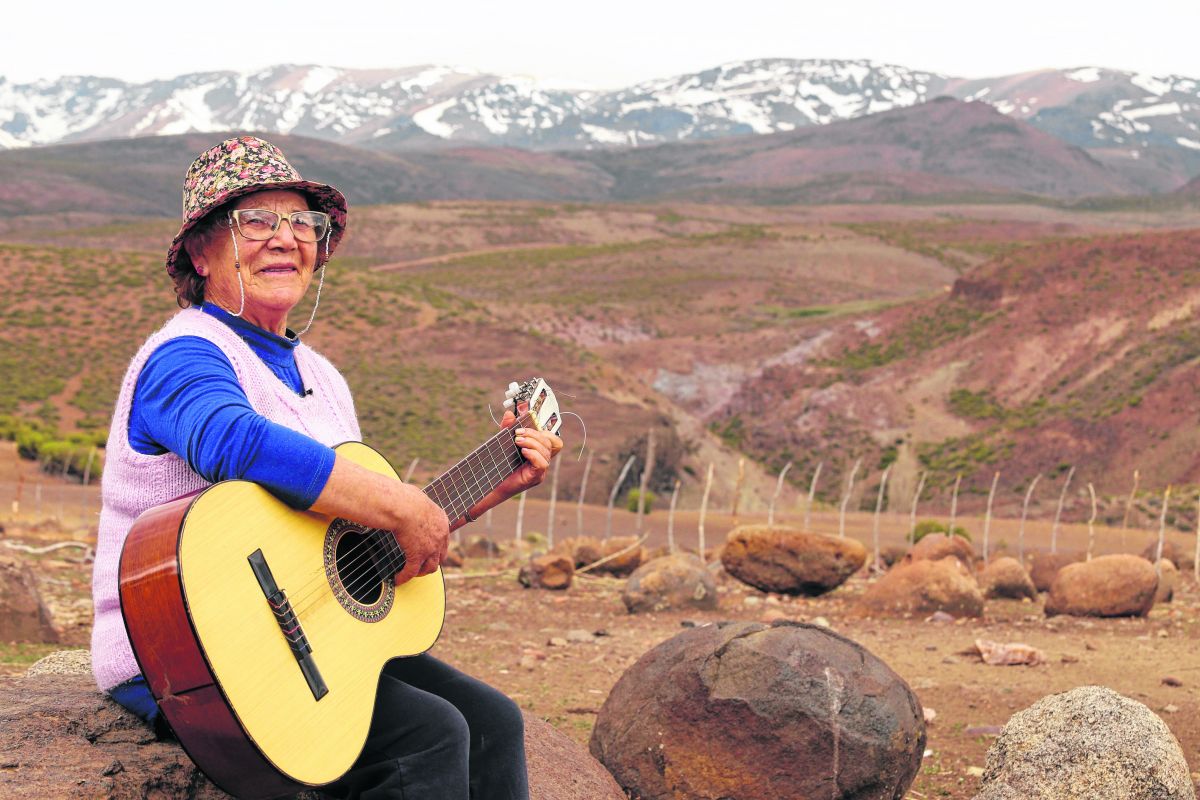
{"x":261,"y":630}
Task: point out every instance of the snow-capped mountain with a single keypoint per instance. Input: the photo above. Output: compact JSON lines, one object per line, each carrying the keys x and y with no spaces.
{"x":430,"y":105}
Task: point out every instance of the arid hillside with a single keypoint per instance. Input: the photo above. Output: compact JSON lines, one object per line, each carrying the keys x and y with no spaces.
{"x":947,"y":339}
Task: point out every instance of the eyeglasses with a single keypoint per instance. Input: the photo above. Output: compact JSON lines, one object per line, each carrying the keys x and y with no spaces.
{"x":259,"y":224}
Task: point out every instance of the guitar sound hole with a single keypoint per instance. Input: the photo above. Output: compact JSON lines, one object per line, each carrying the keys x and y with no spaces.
{"x":357,"y":568}
{"x":360,"y":564}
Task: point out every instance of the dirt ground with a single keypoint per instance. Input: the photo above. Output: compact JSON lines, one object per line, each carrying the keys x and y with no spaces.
{"x":532,"y":643}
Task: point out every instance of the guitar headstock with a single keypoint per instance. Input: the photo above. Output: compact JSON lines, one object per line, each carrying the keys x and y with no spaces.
{"x":543,"y":405}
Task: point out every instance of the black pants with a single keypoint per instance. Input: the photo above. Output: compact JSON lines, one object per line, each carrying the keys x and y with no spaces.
{"x":438,"y":734}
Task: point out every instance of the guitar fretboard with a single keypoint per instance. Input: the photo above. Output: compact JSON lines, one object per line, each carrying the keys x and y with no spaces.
{"x":473,"y":478}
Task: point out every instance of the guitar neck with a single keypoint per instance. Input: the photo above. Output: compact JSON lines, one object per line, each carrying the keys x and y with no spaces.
{"x":474,"y":477}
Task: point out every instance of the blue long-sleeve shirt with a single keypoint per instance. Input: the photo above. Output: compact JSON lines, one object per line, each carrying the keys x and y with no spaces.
{"x":188,"y":401}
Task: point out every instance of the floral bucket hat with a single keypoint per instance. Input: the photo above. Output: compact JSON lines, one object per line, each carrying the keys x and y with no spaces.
{"x":238,"y":167}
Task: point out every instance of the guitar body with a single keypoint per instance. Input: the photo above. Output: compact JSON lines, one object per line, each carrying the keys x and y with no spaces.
{"x":266,"y":703}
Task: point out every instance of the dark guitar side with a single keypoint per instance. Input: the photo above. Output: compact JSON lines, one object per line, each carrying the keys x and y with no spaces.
{"x":156,"y":617}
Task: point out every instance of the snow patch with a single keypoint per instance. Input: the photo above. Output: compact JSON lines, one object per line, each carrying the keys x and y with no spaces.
{"x":604,"y":135}
{"x":1159,"y":110}
{"x":430,"y":119}
{"x":317,"y":79}
{"x":1189,"y":143}
{"x":1085,"y":75}
{"x":1155,"y":86}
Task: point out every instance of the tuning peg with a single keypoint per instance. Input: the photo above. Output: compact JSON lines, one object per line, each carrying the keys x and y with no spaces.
{"x":508,"y":403}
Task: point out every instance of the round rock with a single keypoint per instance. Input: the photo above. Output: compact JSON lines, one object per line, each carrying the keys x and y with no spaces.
{"x":583,"y":550}
{"x":756,"y":712}
{"x":790,"y":561}
{"x":675,"y":581}
{"x":1088,"y":743}
{"x":1109,"y":586}
{"x":923,"y":587}
{"x":1005,"y":577}
{"x":1044,"y":567}
{"x":936,"y":546}
{"x":547,"y":572}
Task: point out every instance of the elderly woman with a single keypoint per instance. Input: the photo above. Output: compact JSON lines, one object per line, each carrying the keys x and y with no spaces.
{"x":227,"y":390}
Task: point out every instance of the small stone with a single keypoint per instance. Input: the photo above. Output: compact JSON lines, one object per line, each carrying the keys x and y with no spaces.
{"x":824,"y":623}
{"x":1070,"y":659}
{"x":949,"y":660}
{"x":930,"y":715}
{"x":1170,"y":708}
{"x":752,"y":601}
{"x":580,"y":635}
{"x":1089,"y":646}
{"x":1163,"y":634}
{"x":975,"y":772}
{"x":558,"y":641}
{"x":1170,"y":680}
{"x":940,"y":616}
{"x":113,"y":768}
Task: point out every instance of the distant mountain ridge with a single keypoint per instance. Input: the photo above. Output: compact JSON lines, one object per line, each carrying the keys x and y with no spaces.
{"x":1126,"y":117}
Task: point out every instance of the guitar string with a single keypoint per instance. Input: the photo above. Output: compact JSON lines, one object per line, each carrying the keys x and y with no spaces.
{"x":358,"y":560}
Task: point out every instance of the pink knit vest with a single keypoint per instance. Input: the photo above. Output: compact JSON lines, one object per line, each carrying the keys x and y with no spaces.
{"x":134,"y":482}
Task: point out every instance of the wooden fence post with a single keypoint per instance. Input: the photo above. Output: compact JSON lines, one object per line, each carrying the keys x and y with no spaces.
{"x":1062,"y":497}
{"x":846,"y":499}
{"x":587,"y":467}
{"x":612,"y":496}
{"x":954,"y":506}
{"x":1162,"y":533}
{"x":737,"y":490}
{"x":553,"y":501}
{"x":1092,"y":523}
{"x":774,"y":497}
{"x":645,"y":481}
{"x":912,"y":513}
{"x":1024,"y":514}
{"x":1129,"y":507}
{"x":878,"y":509}
{"x":671,"y":519}
{"x":704,"y":510}
{"x":987,"y":518}
{"x":812,"y":491}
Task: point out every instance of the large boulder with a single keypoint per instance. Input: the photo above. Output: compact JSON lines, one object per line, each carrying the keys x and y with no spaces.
{"x":561,"y":769}
{"x":790,"y":561}
{"x":552,"y":571}
{"x":923,"y":587}
{"x":1109,"y":586}
{"x":23,"y":615}
{"x":1044,"y":567}
{"x":60,"y":737}
{"x":1005,"y":577}
{"x":582,"y":550}
{"x":1086,"y":744}
{"x":620,"y":556}
{"x":1171,"y":551}
{"x":756,"y":712}
{"x":936,"y":546}
{"x":675,"y":581}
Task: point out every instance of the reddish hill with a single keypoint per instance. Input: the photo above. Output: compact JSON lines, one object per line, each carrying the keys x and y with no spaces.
{"x":941,"y":148}
{"x":141,"y":176}
{"x":1081,"y":352}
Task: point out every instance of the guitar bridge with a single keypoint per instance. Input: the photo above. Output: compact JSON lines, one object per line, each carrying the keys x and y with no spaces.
{"x":289,"y":624}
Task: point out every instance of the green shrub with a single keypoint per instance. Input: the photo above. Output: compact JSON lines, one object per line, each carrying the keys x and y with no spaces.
{"x":631,"y":500}
{"x":928,"y":526}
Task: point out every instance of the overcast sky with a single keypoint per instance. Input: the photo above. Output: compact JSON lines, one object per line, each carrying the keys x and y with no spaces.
{"x":599,"y":44}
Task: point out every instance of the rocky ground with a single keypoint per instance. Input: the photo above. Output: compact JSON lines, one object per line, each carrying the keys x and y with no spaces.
{"x":559,"y":653}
